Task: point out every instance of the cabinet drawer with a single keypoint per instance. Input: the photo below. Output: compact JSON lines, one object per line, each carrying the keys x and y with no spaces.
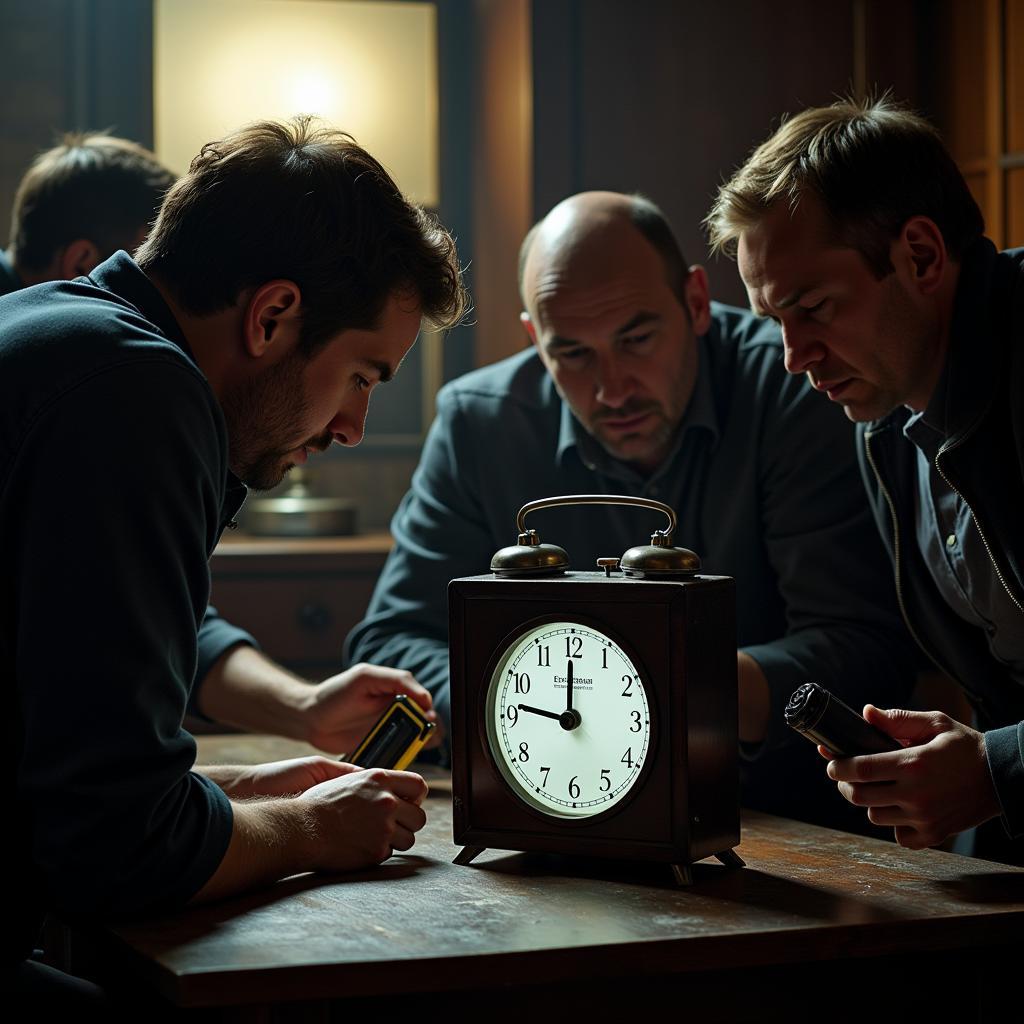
{"x":296,"y":620}
{"x":298,"y":598}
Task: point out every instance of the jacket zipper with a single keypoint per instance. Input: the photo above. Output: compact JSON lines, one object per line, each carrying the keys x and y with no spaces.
{"x":896,"y":562}
{"x":949,"y":446}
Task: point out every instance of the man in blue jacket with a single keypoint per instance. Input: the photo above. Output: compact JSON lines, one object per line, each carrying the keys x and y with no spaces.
{"x":856,"y":232}
{"x":284,"y":280}
{"x":637,"y":383}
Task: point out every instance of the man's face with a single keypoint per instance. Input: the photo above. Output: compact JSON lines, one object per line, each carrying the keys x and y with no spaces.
{"x":300,"y":405}
{"x":618,"y":343}
{"x":869,"y":344}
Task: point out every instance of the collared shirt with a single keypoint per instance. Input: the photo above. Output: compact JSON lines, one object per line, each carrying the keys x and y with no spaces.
{"x":954,"y":550}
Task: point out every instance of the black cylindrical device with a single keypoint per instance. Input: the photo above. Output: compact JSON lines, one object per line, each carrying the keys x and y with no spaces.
{"x":823,"y":718}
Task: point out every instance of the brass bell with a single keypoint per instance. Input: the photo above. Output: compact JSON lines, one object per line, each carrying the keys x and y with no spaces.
{"x":529,"y":557}
{"x":659,"y":558}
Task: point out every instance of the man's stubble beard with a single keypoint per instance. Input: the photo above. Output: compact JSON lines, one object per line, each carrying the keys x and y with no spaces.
{"x":265,"y":418}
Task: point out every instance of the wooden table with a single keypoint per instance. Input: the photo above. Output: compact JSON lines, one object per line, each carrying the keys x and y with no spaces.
{"x":819,"y":925}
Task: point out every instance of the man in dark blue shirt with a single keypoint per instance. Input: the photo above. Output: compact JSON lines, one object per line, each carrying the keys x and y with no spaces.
{"x":855,"y":230}
{"x":135,"y":405}
{"x":636,"y":383}
{"x":78,"y":203}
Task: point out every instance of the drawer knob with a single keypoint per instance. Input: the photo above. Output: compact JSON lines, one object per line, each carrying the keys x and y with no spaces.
{"x":314,"y":617}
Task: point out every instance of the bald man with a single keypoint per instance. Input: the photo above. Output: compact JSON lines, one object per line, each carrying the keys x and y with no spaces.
{"x":635,"y":382}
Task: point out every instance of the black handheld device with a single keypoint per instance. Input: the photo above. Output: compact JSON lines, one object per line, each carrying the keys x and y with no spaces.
{"x":825,"y":719}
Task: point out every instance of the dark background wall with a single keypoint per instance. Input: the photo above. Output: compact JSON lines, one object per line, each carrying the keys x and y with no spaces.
{"x":544,"y":98}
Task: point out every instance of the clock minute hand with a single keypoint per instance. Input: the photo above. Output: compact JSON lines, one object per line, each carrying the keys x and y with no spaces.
{"x":540,"y":711}
{"x":568,"y":687}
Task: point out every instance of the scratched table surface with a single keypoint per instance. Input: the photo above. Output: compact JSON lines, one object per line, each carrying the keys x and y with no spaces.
{"x":419,"y":923}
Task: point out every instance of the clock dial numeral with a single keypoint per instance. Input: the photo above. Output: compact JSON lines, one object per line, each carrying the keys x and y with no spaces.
{"x":567,"y":717}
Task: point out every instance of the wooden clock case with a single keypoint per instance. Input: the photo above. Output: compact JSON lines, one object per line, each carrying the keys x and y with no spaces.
{"x":681,"y":636}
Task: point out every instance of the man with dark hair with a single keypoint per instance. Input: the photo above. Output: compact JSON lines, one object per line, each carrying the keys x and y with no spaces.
{"x":637,"y":383}
{"x":77,"y":204}
{"x":856,"y":233}
{"x":153,"y":399}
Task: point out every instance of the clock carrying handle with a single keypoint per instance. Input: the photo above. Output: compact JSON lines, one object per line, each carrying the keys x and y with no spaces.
{"x":601,"y":499}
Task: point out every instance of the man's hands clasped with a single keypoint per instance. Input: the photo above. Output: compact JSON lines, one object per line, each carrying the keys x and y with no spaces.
{"x":937,"y":786}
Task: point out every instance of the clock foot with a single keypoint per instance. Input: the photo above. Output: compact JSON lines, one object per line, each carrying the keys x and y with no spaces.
{"x":467,"y":853}
{"x":684,"y":876}
{"x":731,"y":859}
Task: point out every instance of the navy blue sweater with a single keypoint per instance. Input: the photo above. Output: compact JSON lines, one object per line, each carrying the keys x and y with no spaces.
{"x":114,"y":488}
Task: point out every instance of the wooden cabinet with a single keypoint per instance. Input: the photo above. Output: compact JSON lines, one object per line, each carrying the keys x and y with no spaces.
{"x":299,"y":598}
{"x":978,"y":95}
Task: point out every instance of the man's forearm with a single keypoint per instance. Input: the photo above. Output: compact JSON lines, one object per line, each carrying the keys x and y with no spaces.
{"x":245,"y":689}
{"x":270,"y":839}
{"x":754,"y":699}
{"x":235,"y":780}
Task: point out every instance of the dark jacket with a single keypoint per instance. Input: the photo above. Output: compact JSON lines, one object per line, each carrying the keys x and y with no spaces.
{"x":983,"y":460}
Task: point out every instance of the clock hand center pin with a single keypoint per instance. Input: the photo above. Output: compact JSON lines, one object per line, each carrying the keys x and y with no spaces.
{"x":570,"y":718}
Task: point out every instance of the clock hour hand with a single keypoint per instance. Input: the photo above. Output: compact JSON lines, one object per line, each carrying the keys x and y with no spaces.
{"x":540,"y":711}
{"x":568,"y":720}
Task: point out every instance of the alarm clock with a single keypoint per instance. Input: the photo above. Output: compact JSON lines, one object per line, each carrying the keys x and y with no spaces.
{"x":594,"y":713}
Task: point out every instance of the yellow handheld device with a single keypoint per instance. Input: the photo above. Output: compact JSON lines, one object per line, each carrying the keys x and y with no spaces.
{"x":396,"y":739}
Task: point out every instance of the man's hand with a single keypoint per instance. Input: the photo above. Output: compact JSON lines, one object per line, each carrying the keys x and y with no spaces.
{"x":363,"y":817}
{"x":340,"y":711}
{"x":275,"y":778}
{"x":244,"y":688}
{"x":353,"y":820}
{"x":937,"y":786}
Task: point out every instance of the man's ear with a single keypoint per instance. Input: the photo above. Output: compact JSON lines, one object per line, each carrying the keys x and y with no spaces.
{"x":698,"y":298}
{"x":531,"y":331}
{"x":919,"y":253}
{"x":76,"y":259}
{"x":272,"y":320}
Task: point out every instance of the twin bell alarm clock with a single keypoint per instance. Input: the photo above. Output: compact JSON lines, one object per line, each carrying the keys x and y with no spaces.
{"x":595,"y":713}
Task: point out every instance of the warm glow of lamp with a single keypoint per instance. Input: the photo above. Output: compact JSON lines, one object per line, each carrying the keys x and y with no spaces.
{"x":367,"y":68}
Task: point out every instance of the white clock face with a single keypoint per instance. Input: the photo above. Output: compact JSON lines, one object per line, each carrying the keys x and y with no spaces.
{"x":568,"y":720}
